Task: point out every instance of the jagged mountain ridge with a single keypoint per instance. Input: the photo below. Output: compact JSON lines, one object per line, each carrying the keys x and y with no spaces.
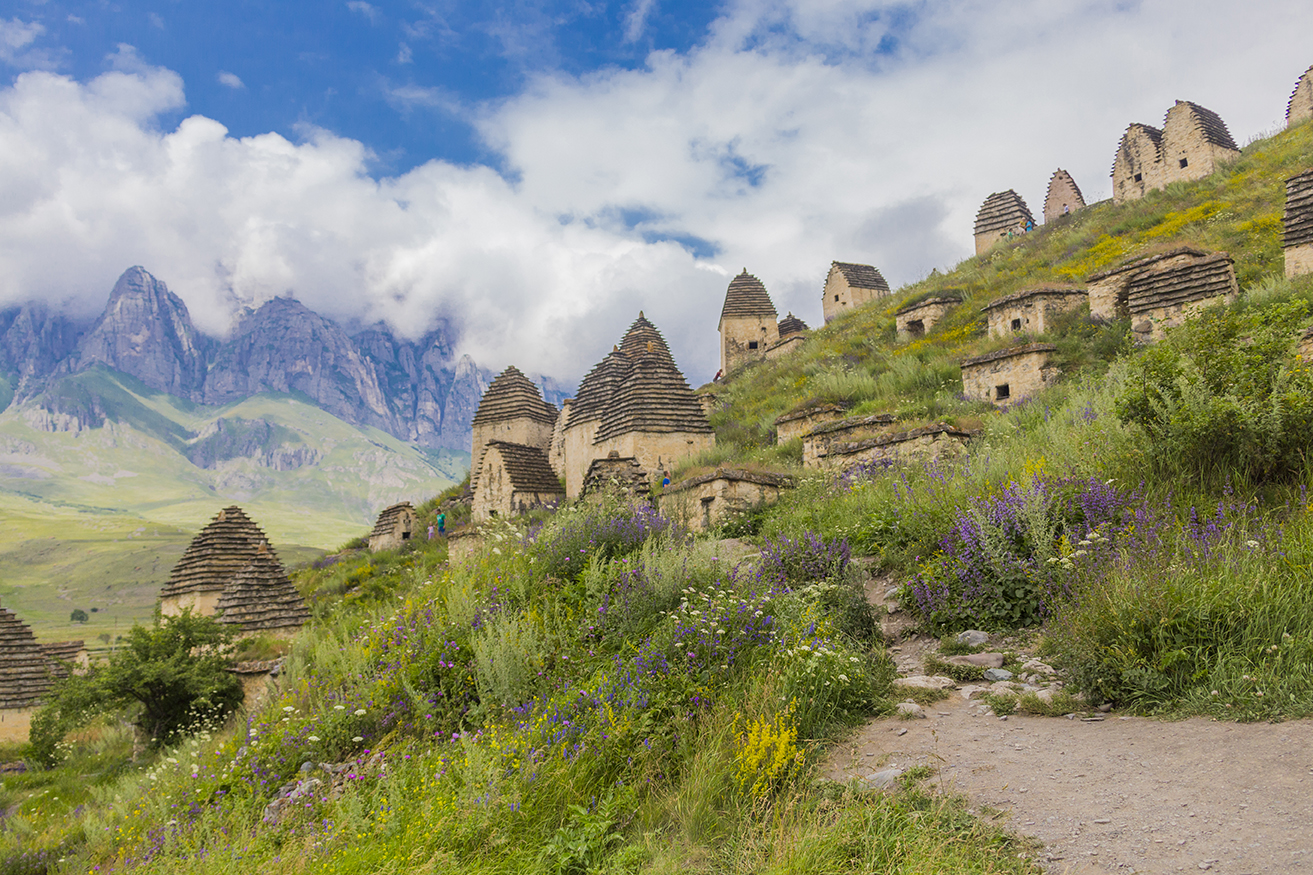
{"x":411,"y":390}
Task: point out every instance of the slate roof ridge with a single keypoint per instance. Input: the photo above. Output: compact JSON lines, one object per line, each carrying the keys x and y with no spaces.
{"x":747,"y":296}
{"x":597,"y":388}
{"x":947,"y":298}
{"x":791,"y":324}
{"x":862,"y":276}
{"x":1007,"y":353}
{"x":763,"y":478}
{"x":1146,"y":260}
{"x":512,"y":396}
{"x":813,"y":409}
{"x":1034,"y":292}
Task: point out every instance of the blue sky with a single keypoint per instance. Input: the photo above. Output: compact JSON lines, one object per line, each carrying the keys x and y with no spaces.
{"x":400,"y":77}
{"x":540,"y":172}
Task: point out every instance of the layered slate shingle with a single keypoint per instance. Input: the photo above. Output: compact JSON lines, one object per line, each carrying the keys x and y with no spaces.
{"x":654,"y":397}
{"x":746,"y":296}
{"x":527,"y":467}
{"x":791,"y":325}
{"x":1145,"y":262}
{"x":946,"y":300}
{"x":61,"y":655}
{"x":1210,"y":124}
{"x":642,"y":338}
{"x":261,"y":596}
{"x":1299,"y":210}
{"x":219,"y":551}
{"x":1001,"y":211}
{"x":1200,"y":280}
{"x":387,"y":520}
{"x":862,"y":276}
{"x":513,"y":396}
{"x":25,"y":675}
{"x":598,"y":387}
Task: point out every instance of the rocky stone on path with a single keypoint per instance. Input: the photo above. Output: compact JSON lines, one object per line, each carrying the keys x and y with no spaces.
{"x":972,"y":638}
{"x":911,"y":709}
{"x":983,"y":660}
{"x":997,"y":674}
{"x":926,"y":682}
{"x":973,"y":691}
{"x":1036,"y":667}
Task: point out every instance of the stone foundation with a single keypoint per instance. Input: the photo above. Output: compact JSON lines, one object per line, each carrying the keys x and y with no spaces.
{"x":916,"y":320}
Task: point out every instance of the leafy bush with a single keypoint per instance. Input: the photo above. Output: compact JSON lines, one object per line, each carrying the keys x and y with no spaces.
{"x":1225,"y":393}
{"x":608,"y":527}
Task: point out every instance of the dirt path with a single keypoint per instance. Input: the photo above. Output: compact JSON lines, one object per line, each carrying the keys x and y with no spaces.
{"x":1121,"y":795}
{"x":1110,"y":795}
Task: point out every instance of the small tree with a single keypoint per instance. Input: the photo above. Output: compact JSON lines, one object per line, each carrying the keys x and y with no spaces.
{"x":79,"y":616}
{"x":172,"y":674}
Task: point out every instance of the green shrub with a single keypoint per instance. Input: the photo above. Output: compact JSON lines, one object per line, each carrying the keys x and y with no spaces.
{"x":1225,"y":394}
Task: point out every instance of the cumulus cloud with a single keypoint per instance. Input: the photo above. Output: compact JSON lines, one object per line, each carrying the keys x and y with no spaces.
{"x":636,"y":19}
{"x":231,"y":80}
{"x":795,"y":134}
{"x":16,"y":39}
{"x":365,"y":9}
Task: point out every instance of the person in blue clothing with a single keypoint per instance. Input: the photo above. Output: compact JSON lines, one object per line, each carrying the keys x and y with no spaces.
{"x":442,"y":524}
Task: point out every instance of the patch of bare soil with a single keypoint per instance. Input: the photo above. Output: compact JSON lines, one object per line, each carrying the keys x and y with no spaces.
{"x":1109,"y":793}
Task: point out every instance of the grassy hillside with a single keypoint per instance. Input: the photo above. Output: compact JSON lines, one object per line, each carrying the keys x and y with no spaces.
{"x":854,"y":358}
{"x":593,"y":691}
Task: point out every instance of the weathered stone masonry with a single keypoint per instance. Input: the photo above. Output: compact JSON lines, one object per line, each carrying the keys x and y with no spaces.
{"x":1063,"y":196}
{"x":850,"y":285}
{"x":748,"y":323}
{"x":1009,"y":375}
{"x":1031,"y":311}
{"x":1192,"y":142}
{"x":1163,"y":297}
{"x":702,"y":503}
{"x":1300,"y":107}
{"x":916,"y":320}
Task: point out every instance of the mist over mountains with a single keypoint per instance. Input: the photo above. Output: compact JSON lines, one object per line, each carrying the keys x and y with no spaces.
{"x":415,"y":391}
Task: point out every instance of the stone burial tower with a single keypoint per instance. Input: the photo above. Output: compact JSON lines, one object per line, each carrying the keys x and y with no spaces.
{"x":1063,"y":197}
{"x":1003,"y":215}
{"x":1192,"y":142}
{"x":748,"y":322}
{"x":850,"y":285}
{"x":1300,"y":107}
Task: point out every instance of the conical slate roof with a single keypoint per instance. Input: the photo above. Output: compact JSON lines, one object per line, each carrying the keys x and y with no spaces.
{"x":261,"y":596}
{"x":218,"y":551}
{"x":861,"y":276}
{"x":24,"y":671}
{"x":1209,"y":123}
{"x":654,"y":397}
{"x":527,"y":468}
{"x":643,"y":337}
{"x":746,"y":296}
{"x":387,"y":520}
{"x":1299,"y":210}
{"x":598,"y":387}
{"x":512,"y":396}
{"x":1000,"y":211}
{"x":791,"y":325}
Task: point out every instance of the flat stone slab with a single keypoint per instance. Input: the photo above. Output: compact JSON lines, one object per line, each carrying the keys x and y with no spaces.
{"x":982,"y":660}
{"x":926,"y":682}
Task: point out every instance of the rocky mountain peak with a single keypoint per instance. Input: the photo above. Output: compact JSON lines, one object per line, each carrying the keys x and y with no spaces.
{"x":146,"y":332}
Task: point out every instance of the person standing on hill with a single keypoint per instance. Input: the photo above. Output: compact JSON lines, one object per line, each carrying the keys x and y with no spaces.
{"x":442,"y":524}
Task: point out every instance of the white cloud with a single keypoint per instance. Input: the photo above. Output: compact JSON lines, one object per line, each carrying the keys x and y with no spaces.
{"x":155,"y":20}
{"x":636,"y":19}
{"x":365,"y":9}
{"x":231,"y":80}
{"x":16,"y":37}
{"x":779,"y":144}
{"x":404,"y":55}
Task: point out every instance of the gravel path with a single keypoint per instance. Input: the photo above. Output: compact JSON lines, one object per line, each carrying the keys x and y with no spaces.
{"x":1120,"y":795}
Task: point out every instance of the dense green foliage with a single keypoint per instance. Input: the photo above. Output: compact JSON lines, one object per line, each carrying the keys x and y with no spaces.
{"x":173,"y":676}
